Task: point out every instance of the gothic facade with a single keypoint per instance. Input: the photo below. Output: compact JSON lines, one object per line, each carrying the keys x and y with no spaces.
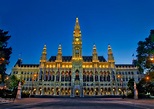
{"x":76,"y":75}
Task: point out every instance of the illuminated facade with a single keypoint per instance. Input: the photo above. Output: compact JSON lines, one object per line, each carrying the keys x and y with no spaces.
{"x":76,"y":75}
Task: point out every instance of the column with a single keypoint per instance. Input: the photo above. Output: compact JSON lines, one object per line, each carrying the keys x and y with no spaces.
{"x":111,"y":81}
{"x":59,"y":83}
{"x":99,"y":82}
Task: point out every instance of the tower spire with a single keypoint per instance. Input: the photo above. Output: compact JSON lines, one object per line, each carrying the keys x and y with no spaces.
{"x":110,"y":56}
{"x":95,"y":56}
{"x":77,"y":26}
{"x":77,"y":32}
{"x":59,"y":55}
{"x":44,"y":54}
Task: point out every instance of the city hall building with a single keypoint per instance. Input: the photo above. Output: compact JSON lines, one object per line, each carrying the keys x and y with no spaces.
{"x":76,"y":75}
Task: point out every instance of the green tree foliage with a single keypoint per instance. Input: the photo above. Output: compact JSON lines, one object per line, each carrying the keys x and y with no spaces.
{"x":145,"y":52}
{"x":145,"y":62}
{"x":141,"y":86}
{"x":146,"y":85}
{"x":12,"y":82}
{"x":131,"y":85}
{"x":5,"y":52}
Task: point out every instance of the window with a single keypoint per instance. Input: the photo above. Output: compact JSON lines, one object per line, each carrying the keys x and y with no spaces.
{"x":126,"y":73}
{"x":126,"y":79}
{"x":91,"y":78}
{"x":62,"y":78}
{"x":96,"y":77}
{"x":77,"y":52}
{"x":101,"y":78}
{"x":57,"y":77}
{"x":84,"y":78}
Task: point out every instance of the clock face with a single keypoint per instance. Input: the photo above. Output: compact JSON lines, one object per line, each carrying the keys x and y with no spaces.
{"x":77,"y":39}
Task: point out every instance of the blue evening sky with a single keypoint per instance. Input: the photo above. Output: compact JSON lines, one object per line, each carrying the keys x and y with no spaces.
{"x":33,"y":23}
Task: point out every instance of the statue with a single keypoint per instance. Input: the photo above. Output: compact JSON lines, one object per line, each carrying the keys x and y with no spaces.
{"x":135,"y":91}
{"x":18,"y":96}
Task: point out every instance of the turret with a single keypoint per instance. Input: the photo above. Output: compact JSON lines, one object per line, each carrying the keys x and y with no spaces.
{"x":44,"y":55}
{"x":95,"y":56}
{"x":59,"y":54}
{"x":110,"y":57}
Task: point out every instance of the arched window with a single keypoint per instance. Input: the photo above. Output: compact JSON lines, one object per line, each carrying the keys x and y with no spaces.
{"x":91,"y":78}
{"x":87,"y":78}
{"x":101,"y":77}
{"x":77,"y":75}
{"x":62,"y":78}
{"x":52,"y":77}
{"x":77,"y":52}
{"x":57,"y":76}
{"x":104,"y":77}
{"x":96,"y":77}
{"x":41,"y":73}
{"x":84,"y":78}
{"x":108,"y":78}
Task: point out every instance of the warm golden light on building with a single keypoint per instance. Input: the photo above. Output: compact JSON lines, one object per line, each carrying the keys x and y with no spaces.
{"x":75,"y":75}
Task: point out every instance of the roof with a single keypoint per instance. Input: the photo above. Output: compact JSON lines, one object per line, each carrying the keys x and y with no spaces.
{"x":125,"y":65}
{"x":19,"y":63}
{"x":29,"y":65}
{"x":85,"y":58}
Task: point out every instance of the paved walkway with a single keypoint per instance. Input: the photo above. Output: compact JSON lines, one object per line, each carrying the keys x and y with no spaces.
{"x":3,"y":100}
{"x":76,"y":103}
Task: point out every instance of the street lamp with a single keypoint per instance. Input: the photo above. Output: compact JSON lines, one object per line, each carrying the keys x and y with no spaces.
{"x":33,"y":78}
{"x":2,"y":60}
{"x":120,"y":77}
{"x":151,"y":59}
{"x":147,"y":78}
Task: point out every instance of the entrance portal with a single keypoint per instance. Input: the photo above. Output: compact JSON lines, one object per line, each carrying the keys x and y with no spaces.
{"x":77,"y":93}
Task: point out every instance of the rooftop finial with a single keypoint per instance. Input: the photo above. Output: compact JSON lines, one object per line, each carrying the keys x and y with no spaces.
{"x":59,"y":46}
{"x":109,"y":47}
{"x":45,"y":46}
{"x":77,"y":20}
{"x":77,"y":26}
{"x":94,"y":46}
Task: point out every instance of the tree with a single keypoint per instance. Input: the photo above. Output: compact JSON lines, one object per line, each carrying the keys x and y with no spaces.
{"x":145,"y":63}
{"x":5,"y":52}
{"x":146,"y":85}
{"x":12,"y":82}
{"x":131,"y":85}
{"x":145,"y":53}
{"x":141,"y":86}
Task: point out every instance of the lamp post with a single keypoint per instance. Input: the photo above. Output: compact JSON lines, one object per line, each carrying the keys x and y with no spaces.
{"x":33,"y":78}
{"x":151,"y":58}
{"x":2,"y":61}
{"x":121,"y":80}
{"x":147,"y":84}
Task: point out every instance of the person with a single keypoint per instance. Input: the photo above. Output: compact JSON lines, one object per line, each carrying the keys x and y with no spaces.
{"x":123,"y":96}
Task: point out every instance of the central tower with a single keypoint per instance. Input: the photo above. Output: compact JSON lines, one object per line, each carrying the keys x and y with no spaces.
{"x":77,"y":76}
{"x":77,"y":42}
